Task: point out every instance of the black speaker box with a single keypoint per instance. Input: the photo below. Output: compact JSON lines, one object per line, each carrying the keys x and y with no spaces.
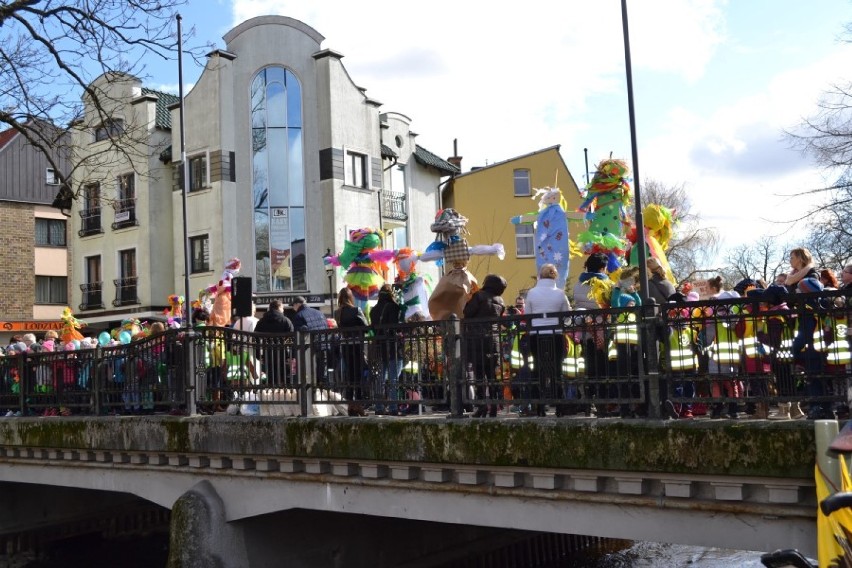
{"x":241,"y":296}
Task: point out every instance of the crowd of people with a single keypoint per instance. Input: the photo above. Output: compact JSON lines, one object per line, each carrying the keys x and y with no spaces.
{"x":540,"y":348}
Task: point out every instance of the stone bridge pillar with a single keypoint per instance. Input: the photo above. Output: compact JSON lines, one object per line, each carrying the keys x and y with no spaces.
{"x":199,"y":536}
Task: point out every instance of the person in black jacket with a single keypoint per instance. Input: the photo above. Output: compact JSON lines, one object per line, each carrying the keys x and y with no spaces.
{"x":483,"y":342}
{"x":352,"y":324}
{"x":275,"y":348}
{"x":384,"y":317}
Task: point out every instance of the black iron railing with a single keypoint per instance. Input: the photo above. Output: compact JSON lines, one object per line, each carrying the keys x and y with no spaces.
{"x":90,"y":222}
{"x":92,"y":296}
{"x":125,"y":214}
{"x":716,"y":358}
{"x":126,"y":292}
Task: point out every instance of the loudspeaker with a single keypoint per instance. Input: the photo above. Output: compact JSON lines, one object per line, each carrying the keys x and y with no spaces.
{"x":241,"y":296}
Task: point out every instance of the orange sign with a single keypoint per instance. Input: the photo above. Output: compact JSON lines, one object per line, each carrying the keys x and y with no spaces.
{"x":30,"y":325}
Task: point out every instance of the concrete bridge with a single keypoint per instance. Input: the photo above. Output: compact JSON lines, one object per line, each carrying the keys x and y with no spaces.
{"x":251,"y":490}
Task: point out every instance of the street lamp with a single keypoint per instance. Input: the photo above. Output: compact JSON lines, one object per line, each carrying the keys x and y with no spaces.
{"x":329,"y":272}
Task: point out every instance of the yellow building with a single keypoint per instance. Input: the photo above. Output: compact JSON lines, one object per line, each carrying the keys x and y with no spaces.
{"x":490,"y":196}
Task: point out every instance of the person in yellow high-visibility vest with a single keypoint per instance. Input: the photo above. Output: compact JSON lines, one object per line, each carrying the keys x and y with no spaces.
{"x":723,"y":349}
{"x":626,"y":338}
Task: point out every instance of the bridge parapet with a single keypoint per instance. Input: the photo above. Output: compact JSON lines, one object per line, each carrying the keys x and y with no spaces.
{"x":573,"y":476}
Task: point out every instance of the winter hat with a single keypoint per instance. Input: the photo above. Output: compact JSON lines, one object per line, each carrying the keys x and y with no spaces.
{"x":745,"y":285}
{"x":811,"y":284}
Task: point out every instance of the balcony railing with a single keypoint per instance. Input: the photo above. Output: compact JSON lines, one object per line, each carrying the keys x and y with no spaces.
{"x":92,"y":296}
{"x":393,"y":206}
{"x":91,"y":222}
{"x":125,"y":213}
{"x":125,"y":291}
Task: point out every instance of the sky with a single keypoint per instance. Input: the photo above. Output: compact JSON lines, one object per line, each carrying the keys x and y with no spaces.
{"x":716,"y":84}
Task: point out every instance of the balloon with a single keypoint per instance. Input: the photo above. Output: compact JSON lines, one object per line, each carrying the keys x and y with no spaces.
{"x":124,"y":337}
{"x":103,"y":339}
{"x":76,"y":343}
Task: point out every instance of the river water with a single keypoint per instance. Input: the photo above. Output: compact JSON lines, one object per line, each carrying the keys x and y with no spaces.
{"x":152,"y":551}
{"x":656,"y":555}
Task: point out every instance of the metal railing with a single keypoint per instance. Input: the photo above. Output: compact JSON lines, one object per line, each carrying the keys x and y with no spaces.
{"x":126,"y":291}
{"x":125,"y":213}
{"x":90,"y":222}
{"x":703,"y":357}
{"x":393,"y":206}
{"x":92,"y":296}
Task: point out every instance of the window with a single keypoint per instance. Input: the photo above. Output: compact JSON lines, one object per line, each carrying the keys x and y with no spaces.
{"x":356,"y":169}
{"x":525,"y":240}
{"x":198,"y":172}
{"x":51,"y":290}
{"x":51,"y":177}
{"x":91,"y":288}
{"x":199,"y":249}
{"x":125,"y":205}
{"x":109,"y":129}
{"x":278,"y":181}
{"x":125,"y":286}
{"x":50,"y":232}
{"x":90,"y":214}
{"x":522,"y":183}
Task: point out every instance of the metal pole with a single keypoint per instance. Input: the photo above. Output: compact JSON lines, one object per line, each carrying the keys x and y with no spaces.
{"x":640,"y":231}
{"x":185,"y":167}
{"x":652,"y":395}
{"x":586,"y":154}
{"x":188,"y":350}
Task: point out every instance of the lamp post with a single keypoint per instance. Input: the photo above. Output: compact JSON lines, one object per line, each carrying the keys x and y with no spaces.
{"x":329,"y":272}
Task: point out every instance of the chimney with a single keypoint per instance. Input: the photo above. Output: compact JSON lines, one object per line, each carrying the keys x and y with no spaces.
{"x":455,"y":159}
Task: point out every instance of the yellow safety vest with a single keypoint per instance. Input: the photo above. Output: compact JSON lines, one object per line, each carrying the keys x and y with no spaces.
{"x":574,"y":365}
{"x":681,"y":355}
{"x":752,"y":347}
{"x":726,"y":349}
{"x":838,"y":352}
{"x":626,"y":331}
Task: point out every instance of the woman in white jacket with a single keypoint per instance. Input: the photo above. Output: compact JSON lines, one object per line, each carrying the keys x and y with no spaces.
{"x":547,"y":345}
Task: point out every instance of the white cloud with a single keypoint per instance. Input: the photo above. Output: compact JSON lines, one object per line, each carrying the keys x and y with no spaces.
{"x":503,"y":81}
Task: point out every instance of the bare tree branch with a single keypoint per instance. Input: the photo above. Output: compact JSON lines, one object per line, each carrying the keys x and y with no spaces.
{"x":50,"y":54}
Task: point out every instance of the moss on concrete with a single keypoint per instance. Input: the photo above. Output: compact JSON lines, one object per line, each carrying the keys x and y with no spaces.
{"x":756,"y":448}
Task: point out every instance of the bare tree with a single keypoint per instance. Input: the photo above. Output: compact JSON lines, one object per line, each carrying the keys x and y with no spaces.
{"x":693,"y":246}
{"x":764,"y":260}
{"x":830,"y":234}
{"x":50,"y":53}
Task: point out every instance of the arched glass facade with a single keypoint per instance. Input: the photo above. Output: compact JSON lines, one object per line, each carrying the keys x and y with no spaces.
{"x":278,"y":181}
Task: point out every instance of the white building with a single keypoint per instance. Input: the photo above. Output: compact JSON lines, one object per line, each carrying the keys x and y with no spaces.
{"x":286,"y":155}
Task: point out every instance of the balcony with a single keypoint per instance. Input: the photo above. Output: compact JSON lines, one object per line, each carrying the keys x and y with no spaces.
{"x":125,"y":214}
{"x":125,"y":291}
{"x":90,"y":222}
{"x":92,"y":297}
{"x":393,"y":206}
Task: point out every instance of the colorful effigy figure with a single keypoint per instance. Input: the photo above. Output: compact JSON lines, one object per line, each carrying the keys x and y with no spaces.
{"x":457,"y":285}
{"x":606,"y":200}
{"x":551,"y":231}
{"x":659,"y":230}
{"x":414,"y":288}
{"x":70,"y":326}
{"x":364,"y":263}
{"x":174,"y":312}
{"x":220,"y":312}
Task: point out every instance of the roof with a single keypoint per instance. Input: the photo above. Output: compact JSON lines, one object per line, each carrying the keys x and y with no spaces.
{"x":495,"y":164}
{"x":387,"y":152}
{"x":6,"y":136}
{"x":427,"y":158}
{"x":164,"y":101}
